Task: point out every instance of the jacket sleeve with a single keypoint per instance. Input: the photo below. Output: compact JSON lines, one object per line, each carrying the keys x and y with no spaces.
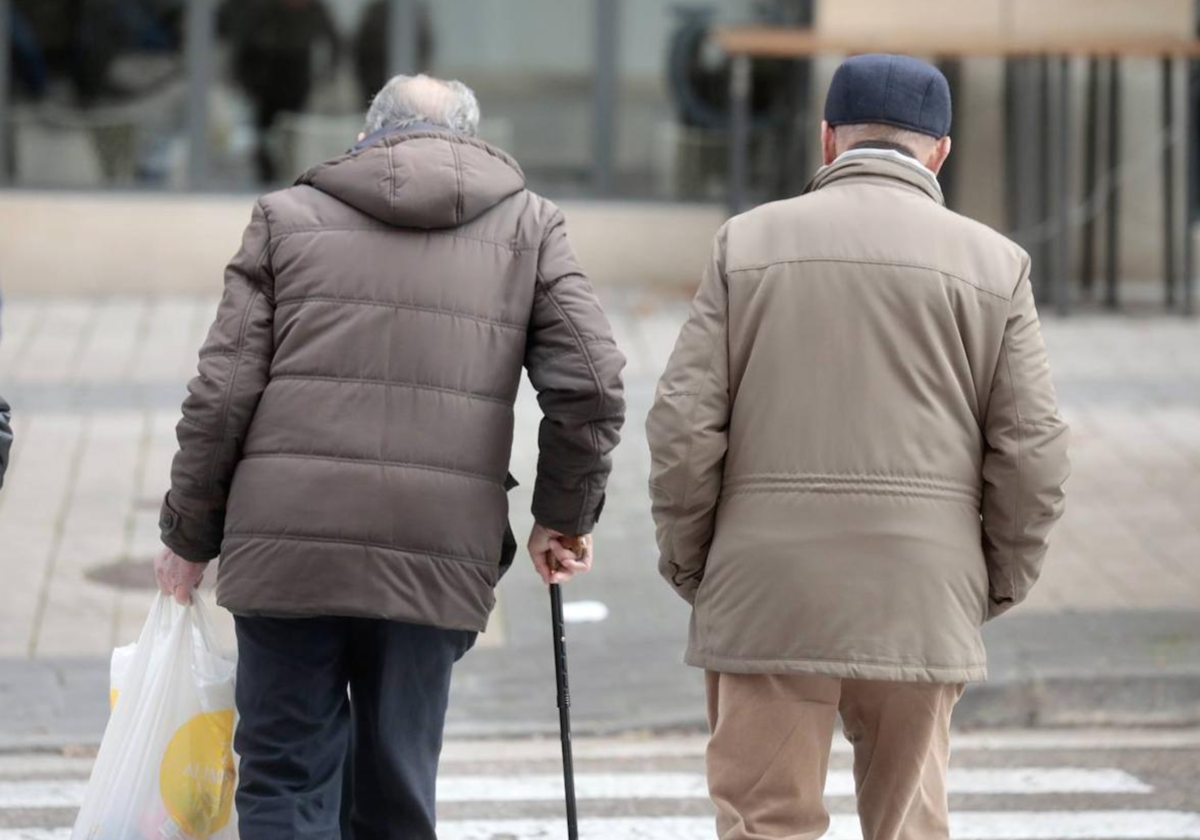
{"x":233,"y":372}
{"x":1025,"y":458}
{"x":575,"y":366}
{"x":6,"y":437}
{"x":688,"y":429}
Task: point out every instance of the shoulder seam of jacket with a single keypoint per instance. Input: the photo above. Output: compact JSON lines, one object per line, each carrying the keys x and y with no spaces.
{"x":895,"y":263}
{"x":582,"y":345}
{"x":223,"y":428}
{"x":721,"y":338}
{"x":264,"y":258}
{"x":458,"y":177}
{"x":1012,"y":534}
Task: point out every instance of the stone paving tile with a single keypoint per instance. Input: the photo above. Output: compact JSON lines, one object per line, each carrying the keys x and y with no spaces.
{"x":97,"y":385}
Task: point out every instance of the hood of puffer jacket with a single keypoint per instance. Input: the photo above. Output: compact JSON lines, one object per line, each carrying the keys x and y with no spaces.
{"x":421,"y":179}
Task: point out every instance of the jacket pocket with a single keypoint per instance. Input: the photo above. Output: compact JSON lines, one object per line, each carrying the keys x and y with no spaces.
{"x":508,"y":543}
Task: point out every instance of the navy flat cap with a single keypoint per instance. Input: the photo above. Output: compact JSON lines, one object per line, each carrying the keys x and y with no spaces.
{"x":890,"y":89}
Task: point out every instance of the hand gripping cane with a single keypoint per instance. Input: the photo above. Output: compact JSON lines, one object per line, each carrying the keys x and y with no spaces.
{"x":564,"y":693}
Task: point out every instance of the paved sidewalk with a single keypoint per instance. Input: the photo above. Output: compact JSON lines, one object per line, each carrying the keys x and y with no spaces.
{"x":96,"y":386}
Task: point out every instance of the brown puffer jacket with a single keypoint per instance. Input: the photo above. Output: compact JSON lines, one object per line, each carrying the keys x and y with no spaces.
{"x":857,"y":454}
{"x":345,"y":446}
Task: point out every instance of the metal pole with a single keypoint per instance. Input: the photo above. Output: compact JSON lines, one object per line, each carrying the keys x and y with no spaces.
{"x":1168,"y":182}
{"x":948,"y":177}
{"x":1046,"y":252}
{"x":1113,"y":221}
{"x":1192,"y":180}
{"x":1091,"y":169}
{"x":739,"y":130}
{"x":607,"y":26}
{"x":564,"y":707}
{"x":1060,"y":290}
{"x":5,"y":81}
{"x":402,"y":31}
{"x":199,"y":49}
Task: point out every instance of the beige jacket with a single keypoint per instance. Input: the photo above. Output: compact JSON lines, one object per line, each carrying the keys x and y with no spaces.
{"x":857,"y":454}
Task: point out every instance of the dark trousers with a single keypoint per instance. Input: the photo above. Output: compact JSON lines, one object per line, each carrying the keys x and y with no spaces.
{"x":319,"y":764}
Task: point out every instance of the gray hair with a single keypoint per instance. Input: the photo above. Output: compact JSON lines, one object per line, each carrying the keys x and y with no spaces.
{"x":848,"y":135}
{"x":406,"y":100}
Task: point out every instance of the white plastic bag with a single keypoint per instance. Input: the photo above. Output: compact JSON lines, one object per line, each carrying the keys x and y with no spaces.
{"x":166,"y":768}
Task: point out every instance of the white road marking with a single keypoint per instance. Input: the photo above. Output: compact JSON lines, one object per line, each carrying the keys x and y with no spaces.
{"x":54,"y":766}
{"x":641,"y":786}
{"x":1028,"y":825}
{"x":635,"y":786}
{"x":1086,"y":740}
{"x":53,"y":794}
{"x":584,"y":612}
{"x":978,"y":825}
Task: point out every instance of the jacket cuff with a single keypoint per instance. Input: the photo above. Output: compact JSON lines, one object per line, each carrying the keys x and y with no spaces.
{"x":998,"y":607}
{"x":565,"y":518}
{"x":688,"y":590}
{"x":191,"y":532}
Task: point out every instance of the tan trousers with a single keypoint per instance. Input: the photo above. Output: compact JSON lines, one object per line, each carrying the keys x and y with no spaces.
{"x":769,"y":753}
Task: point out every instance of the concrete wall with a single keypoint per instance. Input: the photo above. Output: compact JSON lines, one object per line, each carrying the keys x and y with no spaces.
{"x":104,"y":243}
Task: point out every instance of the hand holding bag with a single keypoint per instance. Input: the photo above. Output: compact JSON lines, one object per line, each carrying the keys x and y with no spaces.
{"x":166,"y":767}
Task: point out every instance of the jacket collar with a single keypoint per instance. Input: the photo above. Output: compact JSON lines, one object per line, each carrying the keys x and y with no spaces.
{"x":878,"y":165}
{"x":388,"y":130}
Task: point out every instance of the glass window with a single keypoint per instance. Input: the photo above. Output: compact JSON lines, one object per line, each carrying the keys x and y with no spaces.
{"x":530,"y":62}
{"x":97,"y":93}
{"x":673,"y":115}
{"x":289,"y":88}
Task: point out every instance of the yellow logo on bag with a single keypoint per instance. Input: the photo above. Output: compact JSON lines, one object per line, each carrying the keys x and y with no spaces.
{"x":197,"y":777}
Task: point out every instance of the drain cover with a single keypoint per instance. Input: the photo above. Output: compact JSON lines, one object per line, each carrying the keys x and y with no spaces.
{"x":125,"y":574}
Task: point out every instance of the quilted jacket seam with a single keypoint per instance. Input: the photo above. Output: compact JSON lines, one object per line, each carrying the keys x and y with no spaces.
{"x":385,"y":462}
{"x":392,"y":383}
{"x":399,"y":549}
{"x":383,"y":228}
{"x":413,"y":307}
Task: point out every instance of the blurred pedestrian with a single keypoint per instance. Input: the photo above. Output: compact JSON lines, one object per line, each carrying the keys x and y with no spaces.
{"x":857,"y":461}
{"x":345,"y":450}
{"x":6,"y":437}
{"x":274,"y":46}
{"x":371,"y":43}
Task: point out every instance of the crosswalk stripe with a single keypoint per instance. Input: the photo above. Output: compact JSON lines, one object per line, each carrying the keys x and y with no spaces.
{"x":530,"y":788}
{"x":693,"y":746}
{"x":977,"y":825}
{"x":1022,"y":825}
{"x":602,"y":749}
{"x":637,"y":786}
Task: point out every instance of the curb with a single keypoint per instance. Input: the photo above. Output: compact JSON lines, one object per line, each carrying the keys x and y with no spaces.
{"x":1170,"y":700}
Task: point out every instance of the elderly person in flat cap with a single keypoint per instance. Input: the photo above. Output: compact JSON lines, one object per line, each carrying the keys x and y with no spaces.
{"x":345,"y":450}
{"x":857,"y":461}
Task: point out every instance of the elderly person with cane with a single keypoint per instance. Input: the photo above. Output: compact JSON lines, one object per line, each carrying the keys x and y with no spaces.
{"x":345,"y":450}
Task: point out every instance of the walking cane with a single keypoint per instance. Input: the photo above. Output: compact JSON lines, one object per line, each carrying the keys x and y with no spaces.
{"x":564,"y":696}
